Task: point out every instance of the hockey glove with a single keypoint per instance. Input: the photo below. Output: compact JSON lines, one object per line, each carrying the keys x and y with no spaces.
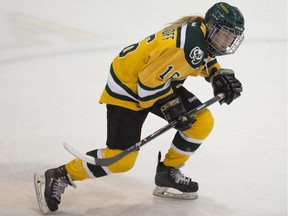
{"x":173,"y":109}
{"x":224,"y":81}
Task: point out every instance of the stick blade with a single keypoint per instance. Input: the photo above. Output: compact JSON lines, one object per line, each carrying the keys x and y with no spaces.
{"x":87,"y":158}
{"x":93,"y":160}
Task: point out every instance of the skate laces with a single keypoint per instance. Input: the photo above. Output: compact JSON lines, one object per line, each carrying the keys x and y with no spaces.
{"x":179,"y":177}
{"x":58,"y":189}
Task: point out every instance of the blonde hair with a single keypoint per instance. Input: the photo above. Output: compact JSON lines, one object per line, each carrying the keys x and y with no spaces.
{"x":183,"y":21}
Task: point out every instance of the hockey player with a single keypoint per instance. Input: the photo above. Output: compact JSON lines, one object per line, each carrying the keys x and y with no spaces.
{"x":147,"y":77}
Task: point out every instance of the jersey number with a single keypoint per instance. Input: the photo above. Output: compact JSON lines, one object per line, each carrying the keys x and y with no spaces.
{"x":133,"y":47}
{"x":167,"y":75}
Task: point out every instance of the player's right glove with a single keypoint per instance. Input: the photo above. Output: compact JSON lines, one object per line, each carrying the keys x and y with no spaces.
{"x":224,"y":81}
{"x":173,"y":109}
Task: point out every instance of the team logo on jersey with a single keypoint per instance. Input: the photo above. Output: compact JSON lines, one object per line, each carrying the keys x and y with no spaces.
{"x":196,"y":55}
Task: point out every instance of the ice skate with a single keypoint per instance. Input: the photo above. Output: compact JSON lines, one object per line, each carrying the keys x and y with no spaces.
{"x":171,"y":183}
{"x":56,"y":180}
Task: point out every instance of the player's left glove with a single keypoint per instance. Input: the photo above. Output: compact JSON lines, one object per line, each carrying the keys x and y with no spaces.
{"x":224,"y":81}
{"x":173,"y":109}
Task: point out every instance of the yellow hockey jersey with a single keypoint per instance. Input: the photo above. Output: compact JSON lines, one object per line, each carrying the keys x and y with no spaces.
{"x":142,"y":73}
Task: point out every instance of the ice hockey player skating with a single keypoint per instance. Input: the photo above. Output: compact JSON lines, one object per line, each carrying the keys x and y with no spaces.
{"x":148,"y":77}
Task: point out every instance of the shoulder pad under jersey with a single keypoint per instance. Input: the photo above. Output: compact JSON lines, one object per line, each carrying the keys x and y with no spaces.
{"x":192,"y":40}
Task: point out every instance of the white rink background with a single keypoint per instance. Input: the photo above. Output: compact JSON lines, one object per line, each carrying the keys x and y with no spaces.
{"x":54,"y":61}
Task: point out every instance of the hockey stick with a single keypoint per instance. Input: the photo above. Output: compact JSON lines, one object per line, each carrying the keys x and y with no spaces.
{"x":108,"y":161}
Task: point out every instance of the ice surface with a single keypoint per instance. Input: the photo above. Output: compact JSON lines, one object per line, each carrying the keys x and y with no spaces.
{"x":54,"y":61}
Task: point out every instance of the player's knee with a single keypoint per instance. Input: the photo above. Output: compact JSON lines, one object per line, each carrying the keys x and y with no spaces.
{"x":124,"y":164}
{"x":203,"y":126}
{"x":208,"y":120}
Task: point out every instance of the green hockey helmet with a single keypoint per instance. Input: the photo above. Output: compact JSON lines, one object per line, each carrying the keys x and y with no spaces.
{"x":228,"y":20}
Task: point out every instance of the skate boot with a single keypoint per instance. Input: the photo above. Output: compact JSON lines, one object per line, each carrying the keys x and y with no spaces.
{"x":56,"y":180}
{"x":171,"y":183}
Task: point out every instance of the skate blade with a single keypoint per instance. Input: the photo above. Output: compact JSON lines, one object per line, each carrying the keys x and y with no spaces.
{"x":167,"y":192}
{"x":39,"y":183}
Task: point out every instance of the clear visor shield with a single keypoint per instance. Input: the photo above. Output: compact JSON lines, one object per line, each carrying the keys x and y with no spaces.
{"x":223,"y":40}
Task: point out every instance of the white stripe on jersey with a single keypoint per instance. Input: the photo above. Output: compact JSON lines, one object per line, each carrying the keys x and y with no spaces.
{"x":146,"y":93}
{"x":114,"y":87}
{"x":183,"y":36}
